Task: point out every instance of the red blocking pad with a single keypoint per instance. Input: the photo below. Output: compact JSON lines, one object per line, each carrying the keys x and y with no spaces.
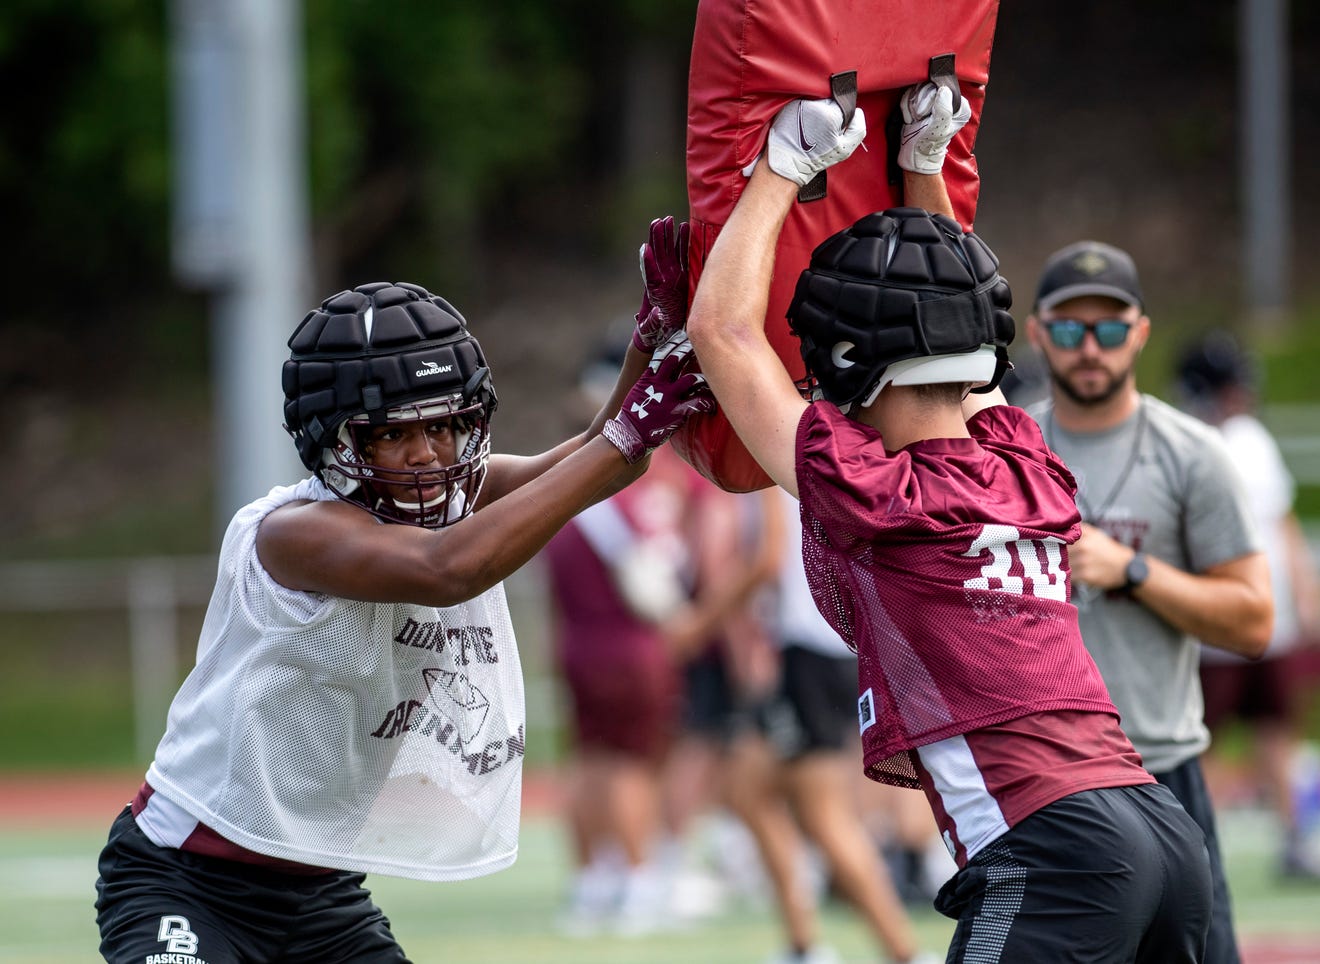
{"x":748,"y":60}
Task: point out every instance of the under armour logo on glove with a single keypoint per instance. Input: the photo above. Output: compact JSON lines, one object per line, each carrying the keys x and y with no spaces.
{"x":665,"y":396}
{"x":639,"y":408}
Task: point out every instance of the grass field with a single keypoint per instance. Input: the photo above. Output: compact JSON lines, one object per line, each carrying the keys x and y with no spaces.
{"x":46,"y":916}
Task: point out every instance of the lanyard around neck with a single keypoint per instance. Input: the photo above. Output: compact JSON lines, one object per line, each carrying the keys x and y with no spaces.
{"x":1094,"y":516}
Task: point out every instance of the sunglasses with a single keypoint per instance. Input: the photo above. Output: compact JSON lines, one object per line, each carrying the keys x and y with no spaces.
{"x":1069,"y":332}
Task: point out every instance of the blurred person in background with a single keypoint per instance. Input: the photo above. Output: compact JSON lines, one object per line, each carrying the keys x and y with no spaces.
{"x":796,"y":778}
{"x":616,"y":573}
{"x":715,"y":632}
{"x":908,"y":839}
{"x":730,"y":666}
{"x":357,"y":703}
{"x":1169,"y":552}
{"x":1218,"y":382}
{"x":651,"y":589}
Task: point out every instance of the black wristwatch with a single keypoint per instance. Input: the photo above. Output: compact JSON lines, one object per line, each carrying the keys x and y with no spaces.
{"x":1137,"y":572}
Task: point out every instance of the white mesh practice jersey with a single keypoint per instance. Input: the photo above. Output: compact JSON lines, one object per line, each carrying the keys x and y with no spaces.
{"x":373,"y":737}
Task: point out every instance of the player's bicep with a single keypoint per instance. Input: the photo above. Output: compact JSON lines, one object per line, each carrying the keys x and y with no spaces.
{"x":340,"y":550}
{"x":760,"y":401}
{"x":976,"y":402}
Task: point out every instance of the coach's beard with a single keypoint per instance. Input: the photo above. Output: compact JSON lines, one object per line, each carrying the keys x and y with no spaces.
{"x":1093,"y":399}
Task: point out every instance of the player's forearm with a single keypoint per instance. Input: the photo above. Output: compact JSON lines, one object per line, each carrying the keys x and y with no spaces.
{"x":508,"y":473}
{"x":506,"y":535}
{"x":1228,"y":613}
{"x":634,"y":363}
{"x":727,"y":328}
{"x":927,"y":191}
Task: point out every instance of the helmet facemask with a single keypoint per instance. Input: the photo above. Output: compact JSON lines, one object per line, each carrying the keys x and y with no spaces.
{"x":431,"y":497}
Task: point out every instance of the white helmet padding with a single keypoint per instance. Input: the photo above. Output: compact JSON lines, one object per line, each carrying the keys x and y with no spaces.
{"x":976,"y":368}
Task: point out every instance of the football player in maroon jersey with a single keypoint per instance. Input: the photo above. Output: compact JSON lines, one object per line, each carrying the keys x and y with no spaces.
{"x":935,"y":533}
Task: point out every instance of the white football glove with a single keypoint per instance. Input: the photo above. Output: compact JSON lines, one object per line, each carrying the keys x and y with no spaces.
{"x":808,"y":136}
{"x":929,"y":123}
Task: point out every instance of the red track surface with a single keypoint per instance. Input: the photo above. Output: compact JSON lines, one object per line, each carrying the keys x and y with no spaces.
{"x":1262,"y":950}
{"x":46,"y":800}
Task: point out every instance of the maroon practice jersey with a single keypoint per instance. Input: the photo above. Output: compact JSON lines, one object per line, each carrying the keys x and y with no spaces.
{"x":944,"y":565}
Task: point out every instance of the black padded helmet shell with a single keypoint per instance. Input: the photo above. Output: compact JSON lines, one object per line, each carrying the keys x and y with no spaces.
{"x":900,"y":284}
{"x":370,"y":350}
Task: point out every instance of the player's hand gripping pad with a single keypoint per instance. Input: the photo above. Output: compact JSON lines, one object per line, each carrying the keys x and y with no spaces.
{"x":751,"y":58}
{"x":662,"y":399}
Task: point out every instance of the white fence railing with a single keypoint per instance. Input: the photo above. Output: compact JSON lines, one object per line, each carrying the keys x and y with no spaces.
{"x":1296,"y":426}
{"x":152,"y":591}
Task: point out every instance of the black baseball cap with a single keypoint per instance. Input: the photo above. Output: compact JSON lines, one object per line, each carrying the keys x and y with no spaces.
{"x":1215,"y":362}
{"x":1088,"y":268}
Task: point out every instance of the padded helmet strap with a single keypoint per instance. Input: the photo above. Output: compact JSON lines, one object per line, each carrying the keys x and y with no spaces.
{"x":1002,"y":367}
{"x":373,"y":403}
{"x":957,"y":321}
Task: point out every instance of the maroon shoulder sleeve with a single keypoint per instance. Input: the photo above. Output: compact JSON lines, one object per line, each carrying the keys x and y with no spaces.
{"x":842,"y":465}
{"x":1010,"y":427}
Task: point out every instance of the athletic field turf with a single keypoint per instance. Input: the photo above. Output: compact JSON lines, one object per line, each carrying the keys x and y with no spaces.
{"x":47,"y":874}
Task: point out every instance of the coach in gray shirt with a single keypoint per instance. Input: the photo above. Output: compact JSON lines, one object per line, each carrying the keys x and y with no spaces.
{"x":1168,"y":553}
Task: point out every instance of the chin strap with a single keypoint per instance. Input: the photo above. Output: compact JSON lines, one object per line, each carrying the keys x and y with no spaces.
{"x":1002,"y":367}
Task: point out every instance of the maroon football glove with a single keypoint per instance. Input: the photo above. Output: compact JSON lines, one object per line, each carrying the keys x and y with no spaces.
{"x":660,"y":401}
{"x":664,"y":267}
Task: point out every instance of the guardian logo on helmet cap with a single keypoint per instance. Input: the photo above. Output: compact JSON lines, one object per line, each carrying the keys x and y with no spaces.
{"x":901,"y":286}
{"x":384,"y":353}
{"x":433,"y":368}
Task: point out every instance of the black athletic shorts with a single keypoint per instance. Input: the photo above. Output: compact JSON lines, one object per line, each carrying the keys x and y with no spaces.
{"x":1113,"y":875}
{"x":1252,"y":691}
{"x":711,"y":709}
{"x":161,"y":904}
{"x":814,"y":708}
{"x":1187,"y":783}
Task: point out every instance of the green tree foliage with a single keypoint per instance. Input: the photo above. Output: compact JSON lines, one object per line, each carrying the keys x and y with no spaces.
{"x":428,"y":121}
{"x":423,"y":114}
{"x":84,"y":167}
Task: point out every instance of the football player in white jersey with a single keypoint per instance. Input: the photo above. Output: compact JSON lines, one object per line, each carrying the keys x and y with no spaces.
{"x":357,"y":702}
